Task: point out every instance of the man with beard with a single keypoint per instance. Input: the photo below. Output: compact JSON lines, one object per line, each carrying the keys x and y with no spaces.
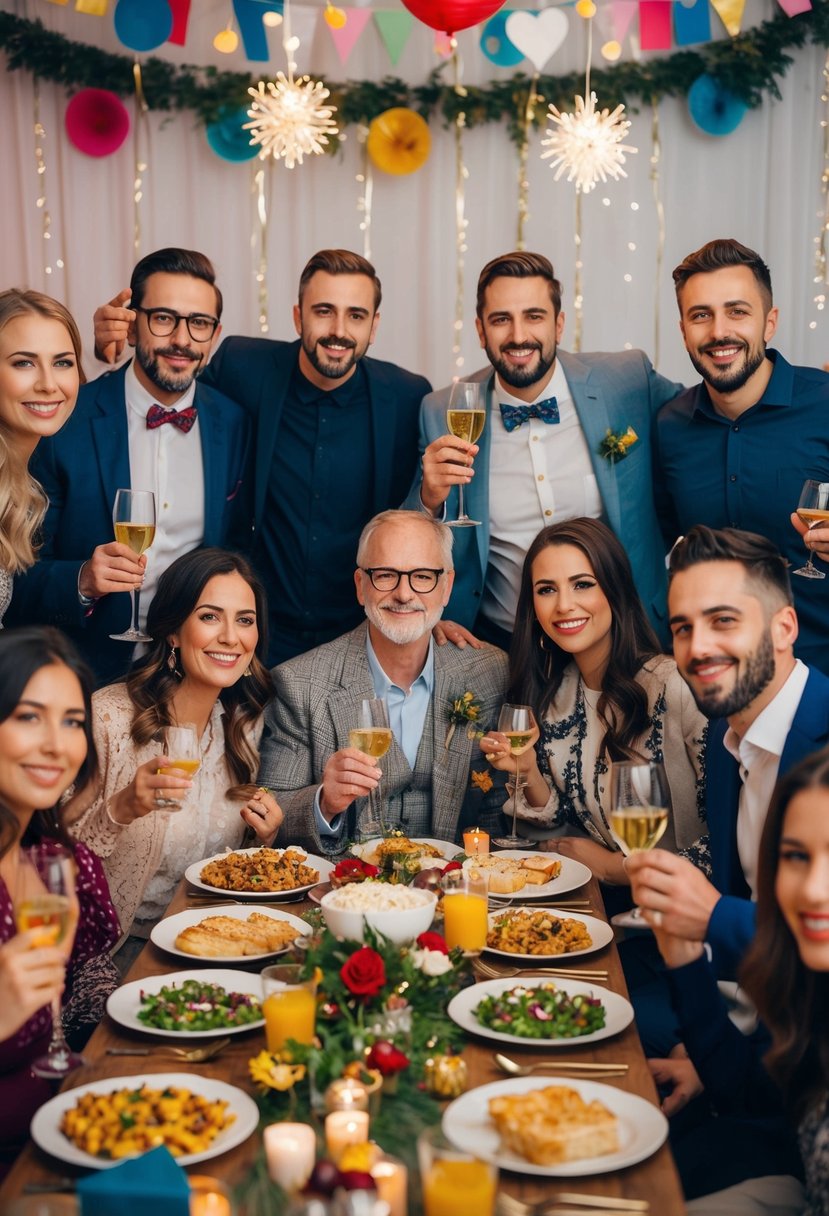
{"x":336,"y":441}
{"x":403,"y":579}
{"x":734,"y":628}
{"x":565,"y":435}
{"x":148,"y":426}
{"x":735,"y":450}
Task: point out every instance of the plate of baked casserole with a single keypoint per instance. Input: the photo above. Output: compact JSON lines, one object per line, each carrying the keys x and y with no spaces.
{"x":514,"y":874}
{"x":228,"y":933}
{"x":532,"y":1125}
{"x":545,"y":933}
{"x":383,"y":851}
{"x":260,"y":873}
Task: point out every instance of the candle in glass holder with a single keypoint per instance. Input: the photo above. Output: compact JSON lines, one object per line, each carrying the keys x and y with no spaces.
{"x":290,"y":1149}
{"x":209,"y":1196}
{"x":346,"y":1093}
{"x":391,"y":1179}
{"x":476,"y":842}
{"x":342,"y":1128}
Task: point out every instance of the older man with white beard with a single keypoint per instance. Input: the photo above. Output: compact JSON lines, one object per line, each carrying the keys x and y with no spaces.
{"x":403,"y":580}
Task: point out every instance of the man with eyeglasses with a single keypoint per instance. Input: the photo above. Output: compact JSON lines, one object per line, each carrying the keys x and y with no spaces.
{"x":403,"y":580}
{"x":147,"y":426}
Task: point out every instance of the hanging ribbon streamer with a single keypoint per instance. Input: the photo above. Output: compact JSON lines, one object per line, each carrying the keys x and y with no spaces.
{"x":259,"y":236}
{"x":578,"y":287}
{"x":656,"y":190}
{"x":821,"y":255}
{"x":40,"y":167}
{"x":461,"y":222}
{"x":141,"y":109}
{"x":523,"y":155}
{"x":365,"y":179}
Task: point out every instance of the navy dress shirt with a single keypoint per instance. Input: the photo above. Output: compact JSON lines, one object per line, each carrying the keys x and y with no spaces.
{"x":748,"y":473}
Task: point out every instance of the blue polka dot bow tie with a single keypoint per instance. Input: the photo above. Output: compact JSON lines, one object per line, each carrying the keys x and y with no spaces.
{"x":515,"y":415}
{"x":183,"y":419}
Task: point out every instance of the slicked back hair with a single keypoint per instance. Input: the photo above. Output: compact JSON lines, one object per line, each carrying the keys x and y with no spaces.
{"x":721,"y":255}
{"x":518,"y":265}
{"x":340,"y":261}
{"x":173,"y":261}
{"x":766,"y":568}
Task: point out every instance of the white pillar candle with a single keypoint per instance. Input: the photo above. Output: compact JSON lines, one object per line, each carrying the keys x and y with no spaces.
{"x":391,"y":1179}
{"x":342,"y":1128}
{"x":290,"y":1149}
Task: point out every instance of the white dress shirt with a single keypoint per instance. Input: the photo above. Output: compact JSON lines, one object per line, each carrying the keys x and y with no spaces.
{"x":758,"y":754}
{"x":168,"y":462}
{"x":540,"y":473}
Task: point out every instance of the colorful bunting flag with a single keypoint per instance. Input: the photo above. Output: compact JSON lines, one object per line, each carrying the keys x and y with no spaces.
{"x":793,"y":7}
{"x":64,"y":2}
{"x":93,"y":8}
{"x":345,"y":38}
{"x":395,"y":26}
{"x":181,"y":14}
{"x":655,"y":25}
{"x":249,"y":15}
{"x":623,"y":12}
{"x":692,"y":23}
{"x":730,"y":12}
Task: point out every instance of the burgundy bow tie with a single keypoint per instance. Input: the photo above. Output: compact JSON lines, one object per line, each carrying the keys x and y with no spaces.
{"x":183,"y":419}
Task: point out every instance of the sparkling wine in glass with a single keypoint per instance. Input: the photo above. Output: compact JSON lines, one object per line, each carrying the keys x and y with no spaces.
{"x":639,"y":807}
{"x":181,"y":744}
{"x":518,"y":723}
{"x":372,"y":735}
{"x":43,"y":901}
{"x":465,"y":418}
{"x":133,"y":517}
{"x":813,"y":509}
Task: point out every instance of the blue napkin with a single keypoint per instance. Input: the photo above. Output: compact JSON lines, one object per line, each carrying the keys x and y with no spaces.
{"x":150,"y":1183}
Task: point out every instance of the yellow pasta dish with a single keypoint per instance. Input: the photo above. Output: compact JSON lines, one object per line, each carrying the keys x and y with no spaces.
{"x":537,"y":932}
{"x":130,"y":1121}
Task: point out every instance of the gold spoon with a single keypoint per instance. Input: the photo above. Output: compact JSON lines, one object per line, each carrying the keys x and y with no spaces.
{"x":192,"y":1055}
{"x":514,"y":1069}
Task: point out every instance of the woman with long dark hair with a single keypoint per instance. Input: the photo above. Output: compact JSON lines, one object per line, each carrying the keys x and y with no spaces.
{"x":204,"y":666}
{"x":46,"y":745}
{"x":585,"y":657}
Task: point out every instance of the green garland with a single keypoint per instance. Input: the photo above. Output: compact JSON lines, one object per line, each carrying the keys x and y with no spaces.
{"x":749,"y":65}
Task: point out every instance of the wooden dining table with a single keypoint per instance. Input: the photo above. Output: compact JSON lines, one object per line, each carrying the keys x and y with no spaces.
{"x":654,"y":1179}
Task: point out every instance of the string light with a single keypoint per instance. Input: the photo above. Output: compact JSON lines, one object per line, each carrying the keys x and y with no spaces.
{"x":656,"y":190}
{"x":259,"y":235}
{"x":461,"y":222}
{"x":821,"y":256}
{"x":523,"y":155}
{"x":40,"y":168}
{"x":365,"y":180}
{"x":227,"y":40}
{"x":141,"y":109}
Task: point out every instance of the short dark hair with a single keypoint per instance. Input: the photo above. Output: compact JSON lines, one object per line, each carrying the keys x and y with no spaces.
{"x":763,"y":562}
{"x":719,"y":255}
{"x":173,"y":261}
{"x":518,"y":265}
{"x":340,"y":261}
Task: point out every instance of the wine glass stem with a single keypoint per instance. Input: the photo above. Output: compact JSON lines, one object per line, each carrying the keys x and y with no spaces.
{"x":515,"y":798}
{"x":134,"y":603}
{"x":461,"y":513}
{"x":58,"y":1044}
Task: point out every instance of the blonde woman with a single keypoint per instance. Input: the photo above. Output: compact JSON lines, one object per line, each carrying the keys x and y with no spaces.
{"x":40,"y":374}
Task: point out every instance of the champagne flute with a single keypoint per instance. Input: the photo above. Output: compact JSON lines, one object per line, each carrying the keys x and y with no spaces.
{"x":181,"y":744}
{"x":372,"y":735}
{"x":639,"y":803}
{"x":813,"y":509}
{"x":518,"y":723}
{"x":43,"y":900}
{"x":465,"y":418}
{"x":133,"y":517}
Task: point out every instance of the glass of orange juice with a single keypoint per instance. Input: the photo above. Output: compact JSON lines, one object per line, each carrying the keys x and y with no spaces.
{"x":465,"y":909}
{"x":289,"y":1006}
{"x":453,"y":1180}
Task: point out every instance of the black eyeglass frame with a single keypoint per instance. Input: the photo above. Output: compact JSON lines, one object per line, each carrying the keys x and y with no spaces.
{"x":371,"y":571}
{"x":178,"y":317}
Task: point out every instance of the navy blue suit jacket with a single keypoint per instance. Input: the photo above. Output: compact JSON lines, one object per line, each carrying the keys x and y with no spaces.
{"x":80,"y":469}
{"x":733,"y":920}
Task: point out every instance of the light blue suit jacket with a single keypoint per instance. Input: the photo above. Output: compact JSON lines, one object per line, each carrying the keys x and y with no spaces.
{"x":609,"y":391}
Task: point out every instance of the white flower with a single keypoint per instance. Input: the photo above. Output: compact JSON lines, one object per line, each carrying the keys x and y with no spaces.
{"x":431,"y":962}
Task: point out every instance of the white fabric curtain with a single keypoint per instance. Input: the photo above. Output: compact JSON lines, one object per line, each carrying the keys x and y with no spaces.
{"x":761,"y":184}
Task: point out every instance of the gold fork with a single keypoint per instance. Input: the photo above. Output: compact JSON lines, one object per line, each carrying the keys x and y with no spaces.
{"x":576,"y":973}
{"x":595,"y":1204}
{"x":192,"y":1055}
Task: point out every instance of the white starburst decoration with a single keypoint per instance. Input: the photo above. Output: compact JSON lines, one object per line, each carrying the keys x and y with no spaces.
{"x":289,"y":119}
{"x":587,"y":144}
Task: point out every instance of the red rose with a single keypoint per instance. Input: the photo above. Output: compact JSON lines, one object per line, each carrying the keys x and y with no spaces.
{"x":386,"y":1058}
{"x":451,"y":865}
{"x":433,"y":941}
{"x":351,"y":869}
{"x":364,"y":973}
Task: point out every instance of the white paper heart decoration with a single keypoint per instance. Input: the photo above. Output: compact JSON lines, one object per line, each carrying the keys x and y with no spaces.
{"x":537,"y":35}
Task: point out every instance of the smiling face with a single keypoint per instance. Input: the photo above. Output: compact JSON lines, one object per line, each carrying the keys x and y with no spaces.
{"x":726,"y":321}
{"x":403,"y":616}
{"x":802,"y":883}
{"x":571,"y":607}
{"x":217,"y":640}
{"x":167,"y":366}
{"x":519,"y":330}
{"x":39,"y":378}
{"x":42,"y":742}
{"x":336,"y":322}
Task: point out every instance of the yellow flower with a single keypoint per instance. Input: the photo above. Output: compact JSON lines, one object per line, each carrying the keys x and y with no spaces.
{"x":270,"y":1072}
{"x":359,"y":1157}
{"x":482,"y":781}
{"x":628,"y":439}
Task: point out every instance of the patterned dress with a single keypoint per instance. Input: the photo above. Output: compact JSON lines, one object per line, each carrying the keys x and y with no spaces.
{"x":6,"y":583}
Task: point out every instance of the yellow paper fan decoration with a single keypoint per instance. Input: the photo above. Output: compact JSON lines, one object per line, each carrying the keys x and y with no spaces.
{"x":335,"y":17}
{"x":399,"y":141}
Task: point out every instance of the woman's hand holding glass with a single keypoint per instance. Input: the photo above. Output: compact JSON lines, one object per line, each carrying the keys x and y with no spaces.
{"x":151,"y":790}
{"x":31,"y":976}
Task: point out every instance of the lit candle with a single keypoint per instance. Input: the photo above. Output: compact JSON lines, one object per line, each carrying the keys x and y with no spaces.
{"x":476,"y":842}
{"x":209,"y":1196}
{"x":290,"y":1149}
{"x":344,"y":1127}
{"x":391,"y":1179}
{"x":346,"y":1093}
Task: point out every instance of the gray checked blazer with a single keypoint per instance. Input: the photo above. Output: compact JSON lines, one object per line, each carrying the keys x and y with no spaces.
{"x":315,"y":706}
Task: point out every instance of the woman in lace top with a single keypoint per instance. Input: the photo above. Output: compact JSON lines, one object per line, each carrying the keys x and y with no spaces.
{"x":585,"y":657}
{"x":45,"y":744}
{"x":40,"y":374}
{"x":204,"y":667}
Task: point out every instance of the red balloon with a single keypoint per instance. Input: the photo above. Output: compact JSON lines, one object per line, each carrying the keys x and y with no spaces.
{"x":450,"y":16}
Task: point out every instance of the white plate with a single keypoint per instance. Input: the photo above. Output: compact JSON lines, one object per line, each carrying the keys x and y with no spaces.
{"x":165,"y":932}
{"x":642,"y":1127}
{"x":572,"y":875}
{"x":46,"y":1133}
{"x":599,"y":930}
{"x":193,"y":876}
{"x":447,"y":849}
{"x":618,"y":1011}
{"x":124,"y":1003}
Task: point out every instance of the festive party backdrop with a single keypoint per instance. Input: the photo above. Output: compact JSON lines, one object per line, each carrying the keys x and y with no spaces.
{"x":113,"y":146}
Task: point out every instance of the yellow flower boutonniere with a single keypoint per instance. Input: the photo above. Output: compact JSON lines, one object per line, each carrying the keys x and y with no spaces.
{"x":615,"y":447}
{"x":271,"y":1072}
{"x":464,"y":709}
{"x":482,"y":781}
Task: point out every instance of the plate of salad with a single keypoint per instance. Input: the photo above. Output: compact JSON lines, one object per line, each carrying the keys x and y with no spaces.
{"x":539,"y":1012}
{"x":190,"y":1004}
